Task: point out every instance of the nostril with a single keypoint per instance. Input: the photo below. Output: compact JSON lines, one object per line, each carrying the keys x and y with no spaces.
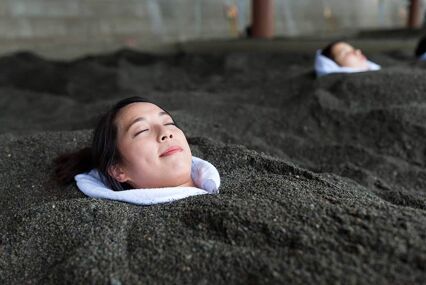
{"x":164,"y":137}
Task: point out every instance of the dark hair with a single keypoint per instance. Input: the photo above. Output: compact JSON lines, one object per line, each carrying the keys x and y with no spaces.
{"x":327,"y":50}
{"x":421,"y":47}
{"x":102,"y":154}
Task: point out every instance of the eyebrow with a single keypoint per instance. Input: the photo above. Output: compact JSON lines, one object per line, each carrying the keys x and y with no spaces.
{"x":139,"y":119}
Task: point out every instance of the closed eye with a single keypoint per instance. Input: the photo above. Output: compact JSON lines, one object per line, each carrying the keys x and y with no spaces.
{"x":141,"y":131}
{"x":170,"y":124}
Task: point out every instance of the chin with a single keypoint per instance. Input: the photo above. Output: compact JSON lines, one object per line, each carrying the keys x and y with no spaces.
{"x":178,"y":179}
{"x":181,"y":167}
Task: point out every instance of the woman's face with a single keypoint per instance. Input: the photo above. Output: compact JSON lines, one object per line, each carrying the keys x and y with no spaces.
{"x":347,"y":56}
{"x":154,"y":152}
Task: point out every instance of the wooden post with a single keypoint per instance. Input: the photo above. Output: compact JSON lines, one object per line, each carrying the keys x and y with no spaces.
{"x":414,"y":15}
{"x":262,"y":19}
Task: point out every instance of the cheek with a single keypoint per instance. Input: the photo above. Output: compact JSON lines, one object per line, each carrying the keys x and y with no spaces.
{"x":347,"y":61}
{"x":180,"y":136}
{"x":186,"y":158}
{"x":141,"y":166}
{"x":341,"y":61}
{"x":138,"y":153}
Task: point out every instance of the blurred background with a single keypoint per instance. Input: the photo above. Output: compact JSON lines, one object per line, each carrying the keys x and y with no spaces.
{"x":67,"y":29}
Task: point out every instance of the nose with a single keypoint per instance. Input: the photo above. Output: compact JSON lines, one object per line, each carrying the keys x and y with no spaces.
{"x":165,"y":135}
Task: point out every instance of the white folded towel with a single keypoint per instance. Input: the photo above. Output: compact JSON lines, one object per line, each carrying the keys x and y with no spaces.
{"x":203,"y":173}
{"x":325,"y":65}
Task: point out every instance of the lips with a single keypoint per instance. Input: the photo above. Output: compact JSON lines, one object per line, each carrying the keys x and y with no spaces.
{"x":171,"y":150}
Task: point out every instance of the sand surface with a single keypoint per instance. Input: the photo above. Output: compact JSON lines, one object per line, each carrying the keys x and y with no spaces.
{"x":323,"y":180}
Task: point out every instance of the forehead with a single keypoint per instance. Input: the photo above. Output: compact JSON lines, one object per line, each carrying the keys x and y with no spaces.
{"x":341,"y":47}
{"x":136,"y":110}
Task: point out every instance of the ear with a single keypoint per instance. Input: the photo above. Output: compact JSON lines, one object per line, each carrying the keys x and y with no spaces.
{"x":118,"y":173}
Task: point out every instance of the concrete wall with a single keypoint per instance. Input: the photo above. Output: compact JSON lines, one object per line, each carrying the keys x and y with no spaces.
{"x":65,"y":26}
{"x":69,"y":28}
{"x":323,"y":17}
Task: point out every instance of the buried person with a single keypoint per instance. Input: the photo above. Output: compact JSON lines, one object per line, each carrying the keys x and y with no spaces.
{"x":341,"y":57}
{"x":138,"y":155}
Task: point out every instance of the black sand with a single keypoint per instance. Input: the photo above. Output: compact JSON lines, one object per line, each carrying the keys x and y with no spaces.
{"x":329,"y":188}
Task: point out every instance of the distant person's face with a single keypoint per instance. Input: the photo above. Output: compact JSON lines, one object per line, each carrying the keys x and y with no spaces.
{"x":154,"y":152}
{"x":347,"y":56}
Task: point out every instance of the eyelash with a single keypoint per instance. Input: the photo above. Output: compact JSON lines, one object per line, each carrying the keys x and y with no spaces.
{"x":168,"y":124}
{"x":140,"y":132}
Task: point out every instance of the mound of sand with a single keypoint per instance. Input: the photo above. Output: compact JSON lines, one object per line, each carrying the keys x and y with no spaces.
{"x":272,"y":222}
{"x":329,"y":186}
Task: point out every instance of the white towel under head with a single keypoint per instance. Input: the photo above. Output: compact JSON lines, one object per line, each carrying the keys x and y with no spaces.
{"x":325,"y":65}
{"x":203,"y":173}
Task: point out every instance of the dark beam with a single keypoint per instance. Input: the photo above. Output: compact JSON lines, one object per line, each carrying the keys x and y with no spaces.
{"x":262,"y":19}
{"x":414,"y":15}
